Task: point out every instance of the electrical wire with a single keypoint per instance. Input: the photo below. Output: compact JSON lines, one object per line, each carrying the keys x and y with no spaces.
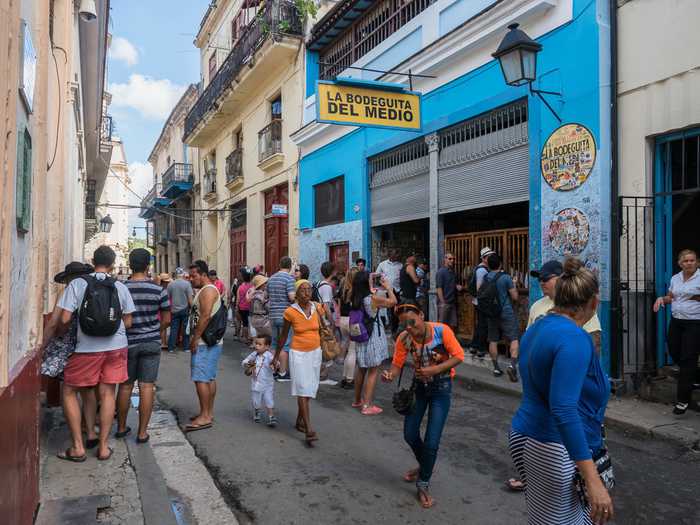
{"x":60,"y":102}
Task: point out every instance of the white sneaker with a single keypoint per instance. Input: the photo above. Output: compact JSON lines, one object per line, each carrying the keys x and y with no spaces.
{"x":330,"y":382}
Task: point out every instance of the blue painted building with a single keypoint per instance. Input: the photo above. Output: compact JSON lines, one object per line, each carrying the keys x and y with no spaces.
{"x":489,"y":156}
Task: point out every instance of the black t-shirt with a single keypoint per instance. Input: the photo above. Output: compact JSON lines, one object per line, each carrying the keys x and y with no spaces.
{"x":408,"y":287}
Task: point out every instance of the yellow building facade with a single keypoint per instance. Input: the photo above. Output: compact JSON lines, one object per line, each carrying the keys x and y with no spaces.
{"x":250,"y":101}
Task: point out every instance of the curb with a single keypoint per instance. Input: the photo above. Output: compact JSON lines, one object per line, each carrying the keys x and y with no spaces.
{"x":683,"y":431}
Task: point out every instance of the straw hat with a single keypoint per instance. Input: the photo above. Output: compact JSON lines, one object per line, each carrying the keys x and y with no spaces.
{"x":164,"y":277}
{"x":259,"y":280}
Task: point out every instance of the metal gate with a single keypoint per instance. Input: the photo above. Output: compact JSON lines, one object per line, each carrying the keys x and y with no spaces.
{"x":633,"y":338}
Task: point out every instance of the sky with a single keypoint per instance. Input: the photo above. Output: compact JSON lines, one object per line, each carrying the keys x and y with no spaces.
{"x":151,"y":61}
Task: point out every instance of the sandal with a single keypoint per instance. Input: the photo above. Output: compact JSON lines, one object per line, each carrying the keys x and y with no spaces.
{"x":111,"y":451}
{"x":426,"y":500}
{"x":515,"y":485}
{"x":67,"y":456}
{"x":143,"y":440}
{"x":411,"y":476}
{"x":91,"y":443}
{"x":121,"y":435}
{"x":357,"y":405}
{"x":310,"y":438}
{"x":192,"y":427}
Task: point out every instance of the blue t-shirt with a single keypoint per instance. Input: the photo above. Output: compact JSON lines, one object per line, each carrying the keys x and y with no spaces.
{"x":565,"y":390}
{"x":504,"y":283}
{"x":279,"y":286}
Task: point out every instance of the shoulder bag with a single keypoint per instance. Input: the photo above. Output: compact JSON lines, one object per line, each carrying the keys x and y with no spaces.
{"x":329,"y":346}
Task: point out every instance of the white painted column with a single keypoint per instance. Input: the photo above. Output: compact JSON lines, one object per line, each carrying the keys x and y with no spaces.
{"x":433,"y":142}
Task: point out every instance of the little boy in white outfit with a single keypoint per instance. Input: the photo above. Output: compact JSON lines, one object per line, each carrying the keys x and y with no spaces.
{"x":259,"y":366}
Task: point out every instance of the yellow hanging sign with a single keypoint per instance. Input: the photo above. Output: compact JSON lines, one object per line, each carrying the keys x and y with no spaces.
{"x":362,"y":106}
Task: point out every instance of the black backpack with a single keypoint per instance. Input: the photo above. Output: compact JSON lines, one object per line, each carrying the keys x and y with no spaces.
{"x":316,"y":291}
{"x":216,"y":328}
{"x":471,"y":280}
{"x":487,"y":297}
{"x":100,"y":313}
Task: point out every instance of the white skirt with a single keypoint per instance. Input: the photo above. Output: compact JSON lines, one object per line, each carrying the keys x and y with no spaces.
{"x":305,"y":369}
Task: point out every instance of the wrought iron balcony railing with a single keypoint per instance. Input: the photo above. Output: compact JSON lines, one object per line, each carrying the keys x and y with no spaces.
{"x":234,"y":165}
{"x":270,"y":140}
{"x":106,"y":129}
{"x":276,"y":19}
{"x":177,"y":172}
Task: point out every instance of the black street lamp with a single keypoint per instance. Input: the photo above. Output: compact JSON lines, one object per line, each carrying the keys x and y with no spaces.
{"x":106,"y":224}
{"x":517,"y":55}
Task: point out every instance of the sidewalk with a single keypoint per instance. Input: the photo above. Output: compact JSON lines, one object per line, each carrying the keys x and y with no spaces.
{"x":158,"y":483}
{"x":624,"y":413}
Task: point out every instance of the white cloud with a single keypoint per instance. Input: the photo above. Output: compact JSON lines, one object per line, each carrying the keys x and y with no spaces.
{"x":152,"y":98}
{"x":141,"y":175}
{"x":122,"y":49}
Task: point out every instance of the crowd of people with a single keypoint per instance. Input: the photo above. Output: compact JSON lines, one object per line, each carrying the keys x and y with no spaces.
{"x":105,"y":336}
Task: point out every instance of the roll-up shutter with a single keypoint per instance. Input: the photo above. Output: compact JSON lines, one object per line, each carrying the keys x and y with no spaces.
{"x":398,"y":181}
{"x":490,"y":181}
{"x":401,"y":201}
{"x":484,"y":161}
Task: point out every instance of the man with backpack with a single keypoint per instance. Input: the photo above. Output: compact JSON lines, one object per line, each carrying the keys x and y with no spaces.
{"x":104,"y":307}
{"x":208,"y":324}
{"x":475,"y":280}
{"x":495,"y":301}
{"x":323,"y":292}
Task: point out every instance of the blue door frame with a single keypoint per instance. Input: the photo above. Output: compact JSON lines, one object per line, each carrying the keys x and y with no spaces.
{"x":663,"y":217}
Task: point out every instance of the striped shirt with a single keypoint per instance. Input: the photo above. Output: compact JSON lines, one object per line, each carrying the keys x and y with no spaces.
{"x":149,"y":299}
{"x":279,"y":286}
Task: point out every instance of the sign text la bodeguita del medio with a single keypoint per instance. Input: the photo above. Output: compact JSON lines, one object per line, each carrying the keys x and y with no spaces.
{"x":342,"y":104}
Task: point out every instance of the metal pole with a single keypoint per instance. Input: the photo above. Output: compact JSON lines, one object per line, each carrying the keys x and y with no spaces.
{"x":433,"y":142}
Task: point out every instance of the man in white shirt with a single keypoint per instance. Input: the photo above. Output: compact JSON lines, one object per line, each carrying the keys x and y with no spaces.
{"x":97,"y":360}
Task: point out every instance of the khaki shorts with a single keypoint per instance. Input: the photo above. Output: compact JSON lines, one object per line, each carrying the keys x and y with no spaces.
{"x":447,"y":314}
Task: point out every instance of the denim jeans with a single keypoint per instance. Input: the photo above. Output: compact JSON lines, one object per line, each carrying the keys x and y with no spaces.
{"x":434,"y":397}
{"x":179,"y":319}
{"x":277,"y":325}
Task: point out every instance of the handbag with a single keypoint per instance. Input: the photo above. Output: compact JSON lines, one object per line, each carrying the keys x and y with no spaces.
{"x":329,"y":346}
{"x":58,"y":350}
{"x":249,"y":367}
{"x":404,"y":399}
{"x":602,"y":461}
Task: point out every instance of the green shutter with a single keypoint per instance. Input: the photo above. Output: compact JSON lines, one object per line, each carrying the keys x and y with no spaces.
{"x":23,"y":181}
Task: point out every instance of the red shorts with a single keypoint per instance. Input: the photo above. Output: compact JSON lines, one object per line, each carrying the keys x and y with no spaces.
{"x":91,"y":368}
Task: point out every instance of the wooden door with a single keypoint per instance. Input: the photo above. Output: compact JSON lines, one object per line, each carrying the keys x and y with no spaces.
{"x":238,"y":250}
{"x":276,"y":228}
{"x":339,"y":254}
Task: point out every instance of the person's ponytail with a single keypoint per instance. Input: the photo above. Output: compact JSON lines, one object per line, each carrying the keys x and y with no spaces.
{"x":576,"y":286}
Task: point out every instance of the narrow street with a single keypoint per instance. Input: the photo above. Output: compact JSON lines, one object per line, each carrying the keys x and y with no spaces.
{"x":353,"y":475}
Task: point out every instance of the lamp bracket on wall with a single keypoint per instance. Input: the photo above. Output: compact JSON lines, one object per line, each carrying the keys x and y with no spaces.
{"x":539,"y":93}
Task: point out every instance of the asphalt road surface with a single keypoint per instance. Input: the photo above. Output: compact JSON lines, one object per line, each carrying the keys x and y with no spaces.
{"x":353,"y":474}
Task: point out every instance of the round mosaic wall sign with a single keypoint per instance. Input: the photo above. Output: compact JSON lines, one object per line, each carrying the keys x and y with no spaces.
{"x":569,"y":232}
{"x":568,"y":157}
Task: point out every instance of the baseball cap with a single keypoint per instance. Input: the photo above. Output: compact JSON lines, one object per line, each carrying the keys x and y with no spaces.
{"x":549,"y":269}
{"x":485,"y":252}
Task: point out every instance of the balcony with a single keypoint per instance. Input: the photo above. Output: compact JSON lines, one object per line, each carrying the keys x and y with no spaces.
{"x":270,"y":145}
{"x":152,"y":199}
{"x":177,"y":180}
{"x":163,"y":234}
{"x":234,"y":168}
{"x":209,"y":184}
{"x":183,"y":224}
{"x":269,"y":42}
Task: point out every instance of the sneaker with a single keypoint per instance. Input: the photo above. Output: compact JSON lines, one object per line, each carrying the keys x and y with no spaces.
{"x":481,"y":355}
{"x":272,"y":421}
{"x":348,"y":384}
{"x":373,"y":410}
{"x":473,"y":350}
{"x":283,"y":378}
{"x":497,"y":372}
{"x":257,"y":417}
{"x":330,"y":382}
{"x":680,"y":408}
{"x":512,"y":373}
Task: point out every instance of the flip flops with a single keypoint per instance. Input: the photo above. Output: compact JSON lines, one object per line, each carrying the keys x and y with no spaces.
{"x":193,"y":428}
{"x":144,"y":440}
{"x":121,"y":435}
{"x":67,"y":456}
{"x":111,"y":451}
{"x":91,"y":443}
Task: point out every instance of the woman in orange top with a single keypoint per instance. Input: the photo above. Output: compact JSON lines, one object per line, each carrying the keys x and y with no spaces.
{"x":305,"y":355}
{"x":435,"y":352}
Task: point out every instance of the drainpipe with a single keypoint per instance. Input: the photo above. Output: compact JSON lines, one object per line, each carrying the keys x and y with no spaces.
{"x":616,"y":363}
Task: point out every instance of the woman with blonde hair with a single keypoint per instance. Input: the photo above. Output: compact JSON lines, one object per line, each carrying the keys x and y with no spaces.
{"x":348,"y":346}
{"x":556,"y":439}
{"x":684,"y":331}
